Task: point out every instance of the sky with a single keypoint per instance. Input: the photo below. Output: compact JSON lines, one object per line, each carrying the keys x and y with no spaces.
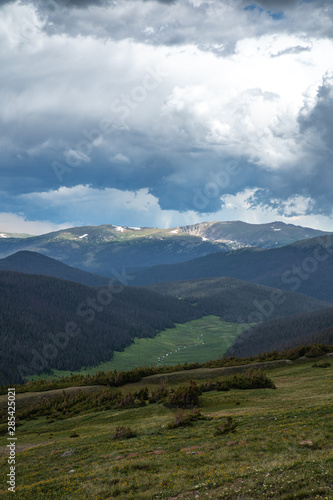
{"x":165,"y":113}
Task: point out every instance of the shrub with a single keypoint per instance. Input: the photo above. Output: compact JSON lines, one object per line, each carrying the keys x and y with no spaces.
{"x":74,"y":434}
{"x":229,"y":426}
{"x":184,"y":397}
{"x":123,"y":433}
{"x":324,"y":364}
{"x":314,"y":351}
{"x":181,"y":419}
{"x":252,"y":379}
{"x":214,"y":386}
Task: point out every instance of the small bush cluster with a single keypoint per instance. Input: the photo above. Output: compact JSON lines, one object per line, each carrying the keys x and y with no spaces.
{"x":214,"y":386}
{"x":228,"y":426}
{"x":124,"y":433}
{"x":68,"y":405}
{"x":160,"y":394}
{"x":324,"y":364}
{"x":182,"y":419}
{"x":186,"y":396}
{"x":251,"y":379}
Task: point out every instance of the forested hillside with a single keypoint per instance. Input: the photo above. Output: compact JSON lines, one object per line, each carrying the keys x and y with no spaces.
{"x":304,"y":267}
{"x":238,"y":301}
{"x":36,"y":263}
{"x":285,"y":333}
{"x":35,"y":309}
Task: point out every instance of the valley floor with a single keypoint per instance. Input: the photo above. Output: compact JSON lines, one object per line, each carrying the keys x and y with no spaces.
{"x":281,"y":448}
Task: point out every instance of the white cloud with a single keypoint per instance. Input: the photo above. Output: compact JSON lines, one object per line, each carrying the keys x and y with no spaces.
{"x":248,"y":103}
{"x":293,"y":211}
{"x":85,"y":204}
{"x":16,"y":223}
{"x":120,"y":158}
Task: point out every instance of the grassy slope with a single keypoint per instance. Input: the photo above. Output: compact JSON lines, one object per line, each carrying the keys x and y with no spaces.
{"x":263,"y":459}
{"x":198,"y":340}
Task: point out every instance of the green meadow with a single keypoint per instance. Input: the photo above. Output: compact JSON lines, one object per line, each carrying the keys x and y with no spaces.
{"x":195,"y":341}
{"x":281,"y":447}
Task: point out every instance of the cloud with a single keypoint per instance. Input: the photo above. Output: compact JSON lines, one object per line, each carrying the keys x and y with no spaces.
{"x":16,"y":223}
{"x":294,"y":210}
{"x":292,"y":50}
{"x":143,"y":95}
{"x":318,"y":118}
{"x":120,"y":158}
{"x":83,"y":204}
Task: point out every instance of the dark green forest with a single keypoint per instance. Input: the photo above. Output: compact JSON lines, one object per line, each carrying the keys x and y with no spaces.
{"x":285,"y":333}
{"x":238,"y":301}
{"x":48,"y":323}
{"x":304,"y":267}
{"x":36,"y":263}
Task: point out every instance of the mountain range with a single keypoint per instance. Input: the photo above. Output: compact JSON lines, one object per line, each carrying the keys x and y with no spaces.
{"x":104,"y":249}
{"x":284,"y":292}
{"x":238,"y":234}
{"x":305,"y":267}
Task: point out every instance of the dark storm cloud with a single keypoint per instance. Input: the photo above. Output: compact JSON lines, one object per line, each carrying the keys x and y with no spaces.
{"x":320,"y":119}
{"x":313,"y":179}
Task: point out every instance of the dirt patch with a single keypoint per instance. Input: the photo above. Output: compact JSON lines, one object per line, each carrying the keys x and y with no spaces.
{"x":306,"y":443}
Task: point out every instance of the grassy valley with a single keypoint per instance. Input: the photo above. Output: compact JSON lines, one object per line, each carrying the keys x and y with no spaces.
{"x":195,"y":341}
{"x":51,"y":324}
